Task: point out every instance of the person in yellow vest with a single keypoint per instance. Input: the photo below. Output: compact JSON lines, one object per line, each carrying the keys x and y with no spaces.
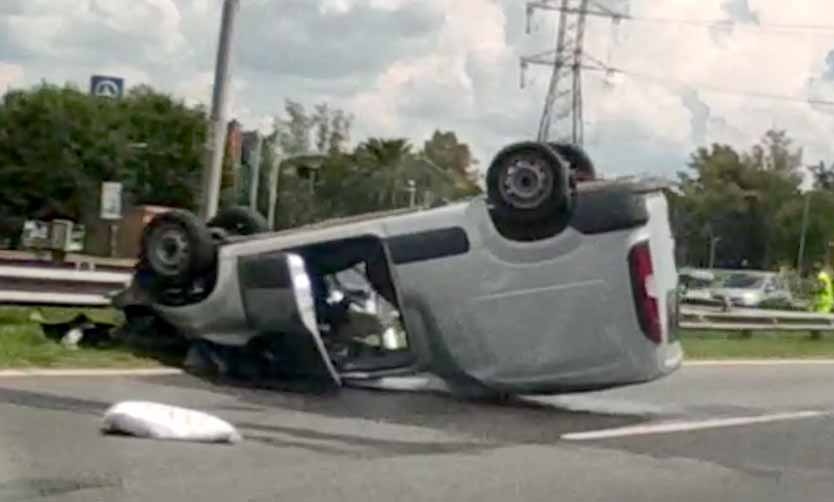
{"x":824,"y":294}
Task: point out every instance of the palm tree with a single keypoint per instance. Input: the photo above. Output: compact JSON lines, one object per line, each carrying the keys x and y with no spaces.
{"x":385,"y":161}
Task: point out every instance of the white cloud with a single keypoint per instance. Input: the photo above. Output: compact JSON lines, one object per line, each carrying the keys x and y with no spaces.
{"x":405,"y":67}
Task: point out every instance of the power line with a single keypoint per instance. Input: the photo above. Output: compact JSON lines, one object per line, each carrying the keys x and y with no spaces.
{"x":778,"y":28}
{"x":598,"y":11}
{"x":710,"y":87}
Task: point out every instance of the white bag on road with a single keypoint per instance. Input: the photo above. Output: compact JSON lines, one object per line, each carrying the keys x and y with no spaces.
{"x":161,"y":421}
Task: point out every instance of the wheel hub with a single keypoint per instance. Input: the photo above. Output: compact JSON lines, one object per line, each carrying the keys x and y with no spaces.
{"x":170,"y":253}
{"x":526,"y":183}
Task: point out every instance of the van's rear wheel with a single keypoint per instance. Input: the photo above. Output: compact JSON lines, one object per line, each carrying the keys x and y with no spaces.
{"x":239,"y":221}
{"x":580,"y":163}
{"x":177,"y":248}
{"x":530,"y":182}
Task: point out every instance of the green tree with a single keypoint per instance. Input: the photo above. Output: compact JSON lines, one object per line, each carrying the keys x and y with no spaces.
{"x":444,"y":149}
{"x":823,"y":176}
{"x":325,"y":132}
{"x":375,"y":176}
{"x":385,"y":164}
{"x":57,"y":144}
{"x":739,"y":199}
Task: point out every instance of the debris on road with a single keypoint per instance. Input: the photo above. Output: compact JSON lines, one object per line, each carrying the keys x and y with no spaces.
{"x":160,"y":421}
{"x":72,"y":338}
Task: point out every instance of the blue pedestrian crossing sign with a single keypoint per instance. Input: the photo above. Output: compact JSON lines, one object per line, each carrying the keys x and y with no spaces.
{"x":107,"y":87}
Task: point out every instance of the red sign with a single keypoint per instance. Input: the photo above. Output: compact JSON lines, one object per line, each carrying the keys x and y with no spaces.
{"x":234,"y":142}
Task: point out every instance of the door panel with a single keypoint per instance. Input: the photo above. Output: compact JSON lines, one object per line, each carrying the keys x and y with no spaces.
{"x":279,"y":305}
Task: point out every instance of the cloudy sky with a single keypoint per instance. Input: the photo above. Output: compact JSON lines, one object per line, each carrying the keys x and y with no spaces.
{"x":406,"y":67}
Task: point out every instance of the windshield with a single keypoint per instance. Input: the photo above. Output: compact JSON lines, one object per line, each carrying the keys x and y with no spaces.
{"x":742,"y":281}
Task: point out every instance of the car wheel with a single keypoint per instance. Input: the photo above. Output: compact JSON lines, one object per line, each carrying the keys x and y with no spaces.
{"x":239,"y":221}
{"x":177,"y":248}
{"x":530,"y":182}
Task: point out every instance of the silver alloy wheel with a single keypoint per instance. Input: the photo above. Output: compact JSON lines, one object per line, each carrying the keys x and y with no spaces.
{"x":170,"y":251}
{"x":526,"y":183}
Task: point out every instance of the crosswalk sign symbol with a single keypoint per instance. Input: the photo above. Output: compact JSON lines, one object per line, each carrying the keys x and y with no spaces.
{"x":107,"y":87}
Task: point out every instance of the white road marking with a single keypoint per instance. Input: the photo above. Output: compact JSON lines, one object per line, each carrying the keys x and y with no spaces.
{"x":606,"y":405}
{"x":89,"y":372}
{"x":760,"y":362}
{"x":685,"y":426}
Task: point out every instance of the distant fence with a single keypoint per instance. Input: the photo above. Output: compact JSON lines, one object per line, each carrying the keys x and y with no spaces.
{"x":750,"y":320}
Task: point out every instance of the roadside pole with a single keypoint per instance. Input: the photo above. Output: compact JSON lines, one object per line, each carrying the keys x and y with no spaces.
{"x":216,"y":138}
{"x":801,"y":255}
{"x":255,"y":172}
{"x":412,"y":192}
{"x":712,"y":245}
{"x":274,"y":179}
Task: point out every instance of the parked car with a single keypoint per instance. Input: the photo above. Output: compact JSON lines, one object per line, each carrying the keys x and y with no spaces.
{"x":696,"y":287}
{"x":544,"y":285}
{"x":754,"y":289}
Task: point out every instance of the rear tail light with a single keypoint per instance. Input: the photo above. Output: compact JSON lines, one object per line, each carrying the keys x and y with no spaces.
{"x":645,"y":294}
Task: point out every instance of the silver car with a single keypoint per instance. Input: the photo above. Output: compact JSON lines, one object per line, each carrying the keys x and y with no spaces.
{"x":542,"y":286}
{"x":754,"y":289}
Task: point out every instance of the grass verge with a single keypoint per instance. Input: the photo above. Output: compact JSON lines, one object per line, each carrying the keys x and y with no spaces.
{"x":764,"y":345}
{"x":24,"y":344}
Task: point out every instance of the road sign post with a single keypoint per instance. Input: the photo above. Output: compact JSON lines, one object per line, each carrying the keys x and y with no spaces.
{"x":111,"y":210}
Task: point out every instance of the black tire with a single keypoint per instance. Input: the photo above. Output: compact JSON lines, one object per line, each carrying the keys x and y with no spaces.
{"x":580,"y":163}
{"x":529,"y":183}
{"x":239,"y":221}
{"x":177,"y":248}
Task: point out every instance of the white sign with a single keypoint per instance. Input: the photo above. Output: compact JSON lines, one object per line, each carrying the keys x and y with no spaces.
{"x":111,"y":200}
{"x":107,"y":89}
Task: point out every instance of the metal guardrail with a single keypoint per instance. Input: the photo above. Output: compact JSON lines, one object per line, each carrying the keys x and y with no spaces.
{"x":59,"y":285}
{"x":70,"y":260}
{"x":716,"y":319}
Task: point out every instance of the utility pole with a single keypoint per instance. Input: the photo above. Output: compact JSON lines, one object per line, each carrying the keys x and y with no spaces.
{"x":274,"y":179}
{"x":412,"y":192}
{"x":216,"y":138}
{"x":800,"y":259}
{"x":712,"y":244}
{"x":563,"y":107}
{"x":255,"y":171}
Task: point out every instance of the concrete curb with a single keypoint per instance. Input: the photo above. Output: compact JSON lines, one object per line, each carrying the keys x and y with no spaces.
{"x":43,"y":372}
{"x":759,"y":362}
{"x":89,"y":372}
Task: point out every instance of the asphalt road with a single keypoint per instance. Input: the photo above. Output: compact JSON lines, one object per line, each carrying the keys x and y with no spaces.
{"x":365,"y":445}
